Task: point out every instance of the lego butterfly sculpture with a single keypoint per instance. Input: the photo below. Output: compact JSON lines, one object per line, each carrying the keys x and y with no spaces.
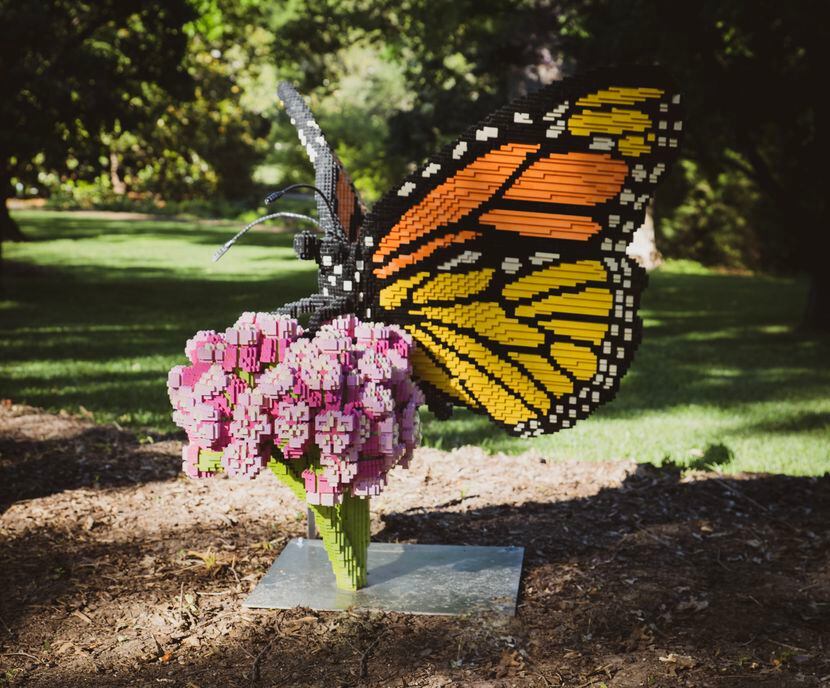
{"x":495,"y":275}
{"x":504,"y":255}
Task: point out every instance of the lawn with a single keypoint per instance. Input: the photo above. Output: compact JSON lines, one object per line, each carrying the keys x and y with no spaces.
{"x":98,"y":309}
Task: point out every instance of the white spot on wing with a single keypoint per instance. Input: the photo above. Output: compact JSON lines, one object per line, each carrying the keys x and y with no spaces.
{"x":487,"y":133}
{"x":556,"y":113}
{"x":554,"y":130}
{"x":511,"y":265}
{"x":406,"y":189}
{"x":602,"y":143}
{"x":468,"y":257}
{"x":459,"y":150}
{"x":430,"y":169}
{"x":542,"y":257}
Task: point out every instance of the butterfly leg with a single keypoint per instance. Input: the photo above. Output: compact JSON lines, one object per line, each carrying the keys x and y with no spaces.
{"x":441,"y":408}
{"x":333,"y":306}
{"x":308,"y":304}
{"x":322,"y":308}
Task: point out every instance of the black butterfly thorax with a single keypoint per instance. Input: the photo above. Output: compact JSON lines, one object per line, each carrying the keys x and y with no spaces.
{"x":341,"y":279}
{"x":344,"y":279}
{"x":338,"y":276}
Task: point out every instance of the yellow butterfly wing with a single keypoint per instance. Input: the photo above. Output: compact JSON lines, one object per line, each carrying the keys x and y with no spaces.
{"x":504,"y":257}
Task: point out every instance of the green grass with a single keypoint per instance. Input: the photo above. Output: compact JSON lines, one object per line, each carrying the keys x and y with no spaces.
{"x":98,"y":310}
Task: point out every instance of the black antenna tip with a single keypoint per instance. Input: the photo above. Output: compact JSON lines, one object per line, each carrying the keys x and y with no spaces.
{"x":273,"y":196}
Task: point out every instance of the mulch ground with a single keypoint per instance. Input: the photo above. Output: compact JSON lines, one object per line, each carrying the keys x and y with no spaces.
{"x":117,"y":571}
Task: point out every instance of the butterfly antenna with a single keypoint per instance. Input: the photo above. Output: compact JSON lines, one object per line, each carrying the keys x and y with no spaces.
{"x":224,"y":248}
{"x":276,"y":195}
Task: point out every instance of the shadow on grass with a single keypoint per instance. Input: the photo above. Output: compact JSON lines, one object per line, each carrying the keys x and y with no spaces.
{"x":717,"y":342}
{"x":799,"y":422}
{"x":80,"y":336}
{"x":722,"y":570}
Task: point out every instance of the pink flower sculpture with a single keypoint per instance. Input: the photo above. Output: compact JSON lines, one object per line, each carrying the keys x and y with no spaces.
{"x":341,"y":403}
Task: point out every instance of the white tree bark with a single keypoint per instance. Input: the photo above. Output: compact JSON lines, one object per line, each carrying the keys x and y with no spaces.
{"x":643,"y":246}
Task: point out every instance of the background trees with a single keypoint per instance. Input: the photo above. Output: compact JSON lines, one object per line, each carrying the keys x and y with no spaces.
{"x":169,"y":102}
{"x":72,"y":71}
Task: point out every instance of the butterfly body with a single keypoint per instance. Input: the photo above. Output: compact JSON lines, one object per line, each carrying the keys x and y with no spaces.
{"x":504,"y":255}
{"x":338,"y":278}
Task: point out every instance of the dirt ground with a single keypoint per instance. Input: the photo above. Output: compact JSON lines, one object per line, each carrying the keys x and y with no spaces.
{"x":117,"y":571}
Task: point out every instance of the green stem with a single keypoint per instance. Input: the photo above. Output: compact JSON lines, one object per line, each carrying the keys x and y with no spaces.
{"x":344,"y":528}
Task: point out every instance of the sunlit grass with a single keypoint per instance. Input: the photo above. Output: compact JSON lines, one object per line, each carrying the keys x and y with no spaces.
{"x":98,"y":310}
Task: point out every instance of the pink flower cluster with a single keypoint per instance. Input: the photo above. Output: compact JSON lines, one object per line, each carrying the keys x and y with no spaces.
{"x":342,"y":400}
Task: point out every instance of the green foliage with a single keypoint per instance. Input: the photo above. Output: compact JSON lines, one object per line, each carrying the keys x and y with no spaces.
{"x":159,"y":104}
{"x":98,"y":310}
{"x":159,"y":139}
{"x":710,"y":220}
{"x":72,"y":69}
{"x":457,"y":60}
{"x":177,"y":103}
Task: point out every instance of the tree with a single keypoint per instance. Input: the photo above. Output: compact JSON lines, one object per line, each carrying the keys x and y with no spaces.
{"x":73,"y":68}
{"x":204,"y":146}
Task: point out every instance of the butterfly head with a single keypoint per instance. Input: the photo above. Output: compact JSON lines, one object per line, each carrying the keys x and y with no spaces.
{"x":307,"y":245}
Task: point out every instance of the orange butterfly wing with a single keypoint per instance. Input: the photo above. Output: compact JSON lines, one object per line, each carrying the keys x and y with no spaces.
{"x":504,"y":256}
{"x":329,"y":174}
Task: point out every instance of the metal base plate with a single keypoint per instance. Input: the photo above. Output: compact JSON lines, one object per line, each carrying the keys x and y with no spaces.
{"x":416,"y":579}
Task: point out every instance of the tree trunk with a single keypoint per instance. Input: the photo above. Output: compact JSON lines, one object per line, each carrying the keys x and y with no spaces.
{"x":118,"y":186}
{"x":9,"y":230}
{"x":817,"y":313}
{"x":643,"y":246}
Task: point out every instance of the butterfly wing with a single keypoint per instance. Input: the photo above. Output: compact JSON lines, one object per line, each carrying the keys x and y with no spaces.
{"x":504,"y":256}
{"x":330,"y":176}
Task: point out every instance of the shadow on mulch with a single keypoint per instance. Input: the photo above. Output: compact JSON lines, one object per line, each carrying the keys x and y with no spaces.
{"x":664,"y":581}
{"x":97,"y":456}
